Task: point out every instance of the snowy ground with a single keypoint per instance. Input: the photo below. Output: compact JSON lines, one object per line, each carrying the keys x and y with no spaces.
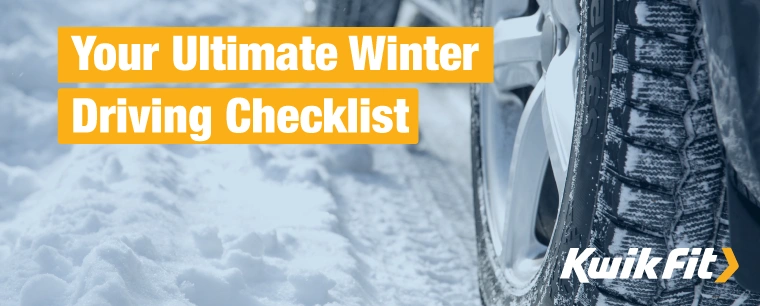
{"x":220,"y":225}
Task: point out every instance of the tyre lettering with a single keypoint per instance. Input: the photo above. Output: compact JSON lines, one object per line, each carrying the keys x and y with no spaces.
{"x":595,"y":58}
{"x":597,"y":12}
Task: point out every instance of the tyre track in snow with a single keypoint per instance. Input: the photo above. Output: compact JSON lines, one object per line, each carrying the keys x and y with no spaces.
{"x":396,"y":218}
{"x":410,"y":218}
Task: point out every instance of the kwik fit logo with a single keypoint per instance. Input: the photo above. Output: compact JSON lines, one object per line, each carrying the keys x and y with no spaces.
{"x":639,"y":265}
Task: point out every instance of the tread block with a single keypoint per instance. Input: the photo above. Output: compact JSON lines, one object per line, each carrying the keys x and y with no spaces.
{"x":624,"y":239}
{"x":681,"y":297}
{"x":705,"y":154}
{"x":637,"y":206}
{"x":657,"y":52}
{"x":645,"y":166}
{"x":652,"y":127}
{"x":611,"y":240}
{"x":670,"y":93}
{"x":614,"y":240}
{"x":591,"y":295}
{"x":604,"y":300}
{"x":702,"y":83}
{"x":636,"y":290}
{"x":619,"y":64}
{"x":662,"y":16}
{"x":694,"y":230}
{"x":702,"y":119}
{"x":702,"y":191}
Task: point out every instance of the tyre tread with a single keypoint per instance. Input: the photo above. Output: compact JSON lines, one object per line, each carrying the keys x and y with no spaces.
{"x":663,"y":183}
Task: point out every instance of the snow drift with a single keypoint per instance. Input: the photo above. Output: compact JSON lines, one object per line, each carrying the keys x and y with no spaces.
{"x":220,"y":225}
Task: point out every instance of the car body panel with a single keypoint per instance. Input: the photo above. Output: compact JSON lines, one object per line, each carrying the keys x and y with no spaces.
{"x":732,"y":31}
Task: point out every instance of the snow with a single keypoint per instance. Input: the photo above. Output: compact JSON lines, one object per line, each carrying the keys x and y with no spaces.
{"x":221,"y":225}
{"x":642,"y":12}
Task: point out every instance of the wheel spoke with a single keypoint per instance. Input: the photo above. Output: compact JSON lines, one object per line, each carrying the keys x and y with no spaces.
{"x":516,"y":46}
{"x":559,"y":106}
{"x":559,"y":113}
{"x":437,"y":13}
{"x":517,"y":53}
{"x":496,"y":10}
{"x":528,"y":164}
{"x":500,"y":112}
{"x":565,"y":12}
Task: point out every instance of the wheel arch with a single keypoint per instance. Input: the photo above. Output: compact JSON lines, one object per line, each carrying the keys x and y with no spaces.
{"x":733,"y":49}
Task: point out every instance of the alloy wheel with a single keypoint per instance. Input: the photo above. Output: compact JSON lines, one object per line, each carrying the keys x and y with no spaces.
{"x":527,"y":118}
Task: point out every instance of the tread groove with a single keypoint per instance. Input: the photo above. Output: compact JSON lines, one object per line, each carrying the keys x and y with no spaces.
{"x":640,"y":184}
{"x":648,"y":107}
{"x":618,"y":296}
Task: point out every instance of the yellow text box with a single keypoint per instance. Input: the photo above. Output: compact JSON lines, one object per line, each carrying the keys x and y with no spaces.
{"x":238,"y":116}
{"x":233,"y":54}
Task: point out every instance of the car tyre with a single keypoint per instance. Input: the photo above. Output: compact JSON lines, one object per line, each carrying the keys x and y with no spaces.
{"x":646,"y":168}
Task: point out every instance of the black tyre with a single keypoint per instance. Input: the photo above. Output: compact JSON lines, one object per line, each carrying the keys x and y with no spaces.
{"x":646,"y":170}
{"x":357,"y":13}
